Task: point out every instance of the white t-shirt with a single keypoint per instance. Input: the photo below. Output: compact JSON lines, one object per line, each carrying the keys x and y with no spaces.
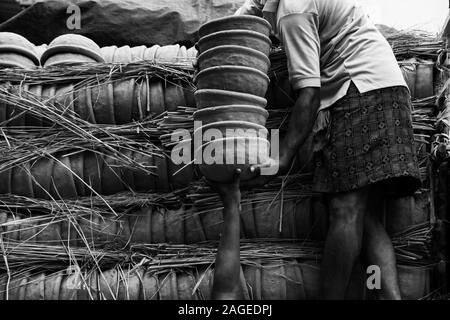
{"x":330,"y":43}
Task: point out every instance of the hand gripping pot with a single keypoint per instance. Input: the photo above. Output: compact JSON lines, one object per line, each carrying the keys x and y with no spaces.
{"x":218,"y":159}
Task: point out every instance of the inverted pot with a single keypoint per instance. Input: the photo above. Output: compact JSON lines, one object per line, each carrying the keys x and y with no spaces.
{"x":214,"y":97}
{"x":234,"y":129}
{"x":234,"y":78}
{"x":233,"y":56}
{"x":243,"y":22}
{"x":232,"y":113}
{"x":75,"y":44}
{"x":12,"y":42}
{"x":244,"y":153}
{"x":15,"y":60}
{"x":244,"y":38}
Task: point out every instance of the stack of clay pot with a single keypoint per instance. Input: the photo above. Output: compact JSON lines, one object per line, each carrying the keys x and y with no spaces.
{"x":232,"y":81}
{"x":17,"y":52}
{"x":71,"y":48}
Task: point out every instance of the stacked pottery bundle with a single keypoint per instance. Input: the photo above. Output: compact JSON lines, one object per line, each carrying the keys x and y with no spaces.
{"x":232,"y":81}
{"x":17,"y":52}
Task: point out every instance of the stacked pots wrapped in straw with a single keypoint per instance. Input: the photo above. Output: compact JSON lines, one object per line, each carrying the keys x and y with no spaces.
{"x":17,"y":52}
{"x":118,"y":102}
{"x":232,"y":81}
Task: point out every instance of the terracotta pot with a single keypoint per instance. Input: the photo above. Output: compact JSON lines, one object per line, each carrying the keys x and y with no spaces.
{"x":41,"y":171}
{"x":232,"y":113}
{"x":234,"y":78}
{"x":156,"y":98}
{"x":52,"y":286}
{"x":137,"y":53}
{"x":150,"y":53}
{"x":150,"y":287}
{"x":5,"y":178}
{"x":237,"y":153}
{"x":233,"y":55}
{"x":242,"y":22}
{"x":93,"y":167}
{"x":77,"y":164}
{"x":15,"y":60}
{"x":14,"y":43}
{"x":111,"y":177}
{"x":102,"y":99}
{"x":244,"y":38}
{"x":214,"y":98}
{"x":167,"y":53}
{"x":122,"y":55}
{"x":63,"y":185}
{"x":21,"y":182}
{"x":191,"y":53}
{"x":72,"y":48}
{"x":123,"y":100}
{"x":173,"y":95}
{"x":174,"y":226}
{"x":63,"y":58}
{"x":108,"y":53}
{"x":108,"y":284}
{"x":235,"y":129}
{"x":83,"y":104}
{"x":30,"y":119}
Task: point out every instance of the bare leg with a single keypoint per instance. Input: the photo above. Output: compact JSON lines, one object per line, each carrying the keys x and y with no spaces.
{"x":344,"y":241}
{"x":379,"y":251}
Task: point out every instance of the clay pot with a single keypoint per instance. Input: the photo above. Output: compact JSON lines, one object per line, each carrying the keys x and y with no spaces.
{"x":108,"y":53}
{"x":16,"y":51}
{"x":123,"y":100}
{"x":243,"y":38}
{"x":234,"y":55}
{"x":214,"y":98}
{"x":71,"y":48}
{"x":63,"y":58}
{"x":241,"y":22}
{"x":232,"y":113}
{"x":235,"y":129}
{"x":137,"y":53}
{"x":232,"y":153}
{"x":234,"y":78}
{"x":15,"y":60}
{"x":122,"y":55}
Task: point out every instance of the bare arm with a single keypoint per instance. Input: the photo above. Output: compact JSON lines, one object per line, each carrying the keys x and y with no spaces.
{"x":227,"y":284}
{"x":301,"y":124}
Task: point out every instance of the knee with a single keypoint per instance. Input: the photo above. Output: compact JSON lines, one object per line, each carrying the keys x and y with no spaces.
{"x":348,"y":209}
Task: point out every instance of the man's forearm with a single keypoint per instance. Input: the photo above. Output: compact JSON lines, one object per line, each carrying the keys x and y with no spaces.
{"x":228,"y":264}
{"x":301,"y":123}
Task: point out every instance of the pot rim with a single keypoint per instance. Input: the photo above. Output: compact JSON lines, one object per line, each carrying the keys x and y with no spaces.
{"x":231,"y":18}
{"x":71,"y":49}
{"x":235,"y":32}
{"x":234,"y":138}
{"x":231,"y":93}
{"x":231,"y":68}
{"x":242,"y":107}
{"x":21,"y":50}
{"x":249,"y":125}
{"x":242,"y":48}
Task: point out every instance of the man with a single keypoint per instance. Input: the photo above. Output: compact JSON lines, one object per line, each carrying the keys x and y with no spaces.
{"x":352,"y":96}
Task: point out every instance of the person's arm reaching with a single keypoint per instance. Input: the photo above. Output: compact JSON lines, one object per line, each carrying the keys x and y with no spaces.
{"x":301,"y":124}
{"x":301,"y":41}
{"x":227,"y":285}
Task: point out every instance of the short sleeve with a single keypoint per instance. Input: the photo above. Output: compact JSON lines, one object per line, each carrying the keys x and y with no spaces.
{"x":301,"y":40}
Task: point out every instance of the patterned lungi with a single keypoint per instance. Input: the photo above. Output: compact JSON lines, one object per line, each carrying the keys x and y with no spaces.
{"x":370,"y":141}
